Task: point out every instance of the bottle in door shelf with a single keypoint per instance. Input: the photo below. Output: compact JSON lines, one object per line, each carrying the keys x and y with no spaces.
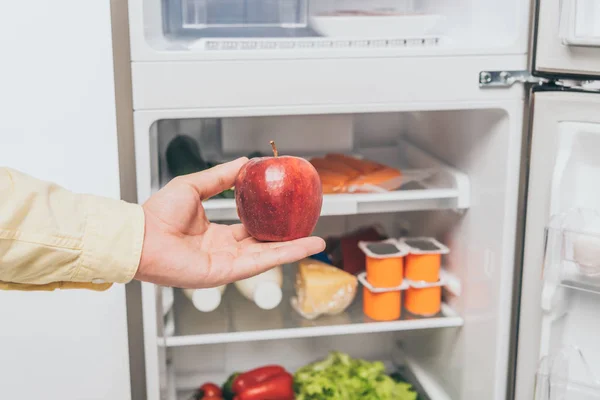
{"x":322,"y":289}
{"x":205,"y":300}
{"x":263,"y":289}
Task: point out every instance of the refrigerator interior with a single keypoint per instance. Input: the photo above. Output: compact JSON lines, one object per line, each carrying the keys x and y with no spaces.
{"x":299,"y":25}
{"x":466,"y":199}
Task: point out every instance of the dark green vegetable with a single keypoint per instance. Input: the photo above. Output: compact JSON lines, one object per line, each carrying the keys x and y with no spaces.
{"x":183,"y":156}
{"x":228,"y":393}
{"x":340,"y":377}
{"x":399,"y":377}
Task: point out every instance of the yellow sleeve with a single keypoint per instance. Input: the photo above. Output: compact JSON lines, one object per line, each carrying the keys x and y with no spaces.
{"x":51,"y":238}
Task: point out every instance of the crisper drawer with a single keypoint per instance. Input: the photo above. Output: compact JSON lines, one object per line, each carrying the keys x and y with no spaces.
{"x":260,"y":83}
{"x":184,"y":29}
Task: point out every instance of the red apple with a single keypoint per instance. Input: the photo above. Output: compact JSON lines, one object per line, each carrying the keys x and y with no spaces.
{"x":278,"y":198}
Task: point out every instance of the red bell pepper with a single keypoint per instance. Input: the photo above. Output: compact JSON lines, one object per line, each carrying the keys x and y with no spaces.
{"x":257,"y":375}
{"x":277,"y":387}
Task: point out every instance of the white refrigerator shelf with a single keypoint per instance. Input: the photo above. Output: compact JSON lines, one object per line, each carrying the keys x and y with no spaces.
{"x":239,"y":320}
{"x":443,"y":187}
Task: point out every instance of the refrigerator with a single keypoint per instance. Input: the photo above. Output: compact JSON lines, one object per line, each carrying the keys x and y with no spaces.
{"x":492,"y":111}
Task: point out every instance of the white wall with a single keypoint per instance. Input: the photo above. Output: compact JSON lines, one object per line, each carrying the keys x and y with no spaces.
{"x":57,"y":113}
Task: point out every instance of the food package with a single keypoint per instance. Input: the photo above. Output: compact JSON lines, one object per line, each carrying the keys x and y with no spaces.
{"x":340,"y":173}
{"x":322,"y":289}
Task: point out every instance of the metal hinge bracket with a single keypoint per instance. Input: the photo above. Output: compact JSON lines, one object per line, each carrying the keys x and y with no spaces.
{"x":504,"y":79}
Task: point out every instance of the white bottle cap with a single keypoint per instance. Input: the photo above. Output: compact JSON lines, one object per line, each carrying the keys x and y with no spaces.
{"x":206,"y":300}
{"x":267,"y":295}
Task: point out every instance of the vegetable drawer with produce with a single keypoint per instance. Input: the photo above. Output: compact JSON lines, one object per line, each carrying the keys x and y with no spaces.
{"x":404,"y":179}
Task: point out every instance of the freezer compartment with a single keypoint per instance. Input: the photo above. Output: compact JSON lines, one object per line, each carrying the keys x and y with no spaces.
{"x":425,"y":182}
{"x":294,"y":26}
{"x":300,"y":18}
{"x":192,"y":367}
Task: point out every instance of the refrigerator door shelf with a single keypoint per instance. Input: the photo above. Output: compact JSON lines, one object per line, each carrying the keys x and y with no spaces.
{"x":572,"y":255}
{"x":566,"y":375}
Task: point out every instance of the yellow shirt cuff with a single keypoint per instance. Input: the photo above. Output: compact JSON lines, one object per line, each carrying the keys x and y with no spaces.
{"x":112,"y":241}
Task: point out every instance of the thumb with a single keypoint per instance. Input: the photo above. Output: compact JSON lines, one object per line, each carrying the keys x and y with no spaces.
{"x":213,"y":181}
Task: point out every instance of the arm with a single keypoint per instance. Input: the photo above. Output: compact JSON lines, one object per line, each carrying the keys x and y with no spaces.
{"x":51,"y":238}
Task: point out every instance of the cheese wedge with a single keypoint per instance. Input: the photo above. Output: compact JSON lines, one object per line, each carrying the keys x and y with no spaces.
{"x":323,"y":289}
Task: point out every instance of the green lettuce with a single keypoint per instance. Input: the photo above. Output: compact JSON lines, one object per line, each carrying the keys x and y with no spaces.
{"x":340,"y":377}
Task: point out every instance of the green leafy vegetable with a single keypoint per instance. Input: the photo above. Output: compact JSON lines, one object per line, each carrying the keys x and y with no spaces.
{"x":340,"y":377}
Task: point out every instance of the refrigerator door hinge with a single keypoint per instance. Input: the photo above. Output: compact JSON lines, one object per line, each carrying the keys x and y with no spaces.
{"x":504,"y":79}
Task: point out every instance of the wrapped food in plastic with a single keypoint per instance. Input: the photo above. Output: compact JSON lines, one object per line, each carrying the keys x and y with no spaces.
{"x":322,"y":289}
{"x":383,"y":180}
{"x":362,"y":165}
{"x":341,"y":173}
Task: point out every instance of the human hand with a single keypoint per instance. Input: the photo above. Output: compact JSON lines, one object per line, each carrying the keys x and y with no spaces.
{"x":183,"y":249}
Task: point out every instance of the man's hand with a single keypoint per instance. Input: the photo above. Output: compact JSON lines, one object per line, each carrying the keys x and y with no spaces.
{"x":183,"y":249}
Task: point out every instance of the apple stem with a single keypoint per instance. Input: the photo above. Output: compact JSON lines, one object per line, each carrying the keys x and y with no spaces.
{"x":275,"y":152}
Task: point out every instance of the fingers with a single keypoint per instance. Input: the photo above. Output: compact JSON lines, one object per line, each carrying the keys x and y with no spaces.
{"x":273,"y":254}
{"x":213,"y":181}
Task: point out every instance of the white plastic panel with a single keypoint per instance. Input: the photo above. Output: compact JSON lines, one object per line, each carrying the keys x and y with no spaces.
{"x":568,"y":37}
{"x":196,"y":29}
{"x":359,"y":83}
{"x":558,"y":303}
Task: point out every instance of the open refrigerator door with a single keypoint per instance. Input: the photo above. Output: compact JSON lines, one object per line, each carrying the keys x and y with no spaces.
{"x":560,"y":284}
{"x":569,"y":364}
{"x":567,"y":38}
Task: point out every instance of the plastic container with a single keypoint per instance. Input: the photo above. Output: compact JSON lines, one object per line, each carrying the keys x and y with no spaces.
{"x":263,"y":289}
{"x":382,"y":304}
{"x":425,"y":302}
{"x":424,"y":260}
{"x":205,"y":300}
{"x":384,"y":262}
{"x":382,"y":293}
